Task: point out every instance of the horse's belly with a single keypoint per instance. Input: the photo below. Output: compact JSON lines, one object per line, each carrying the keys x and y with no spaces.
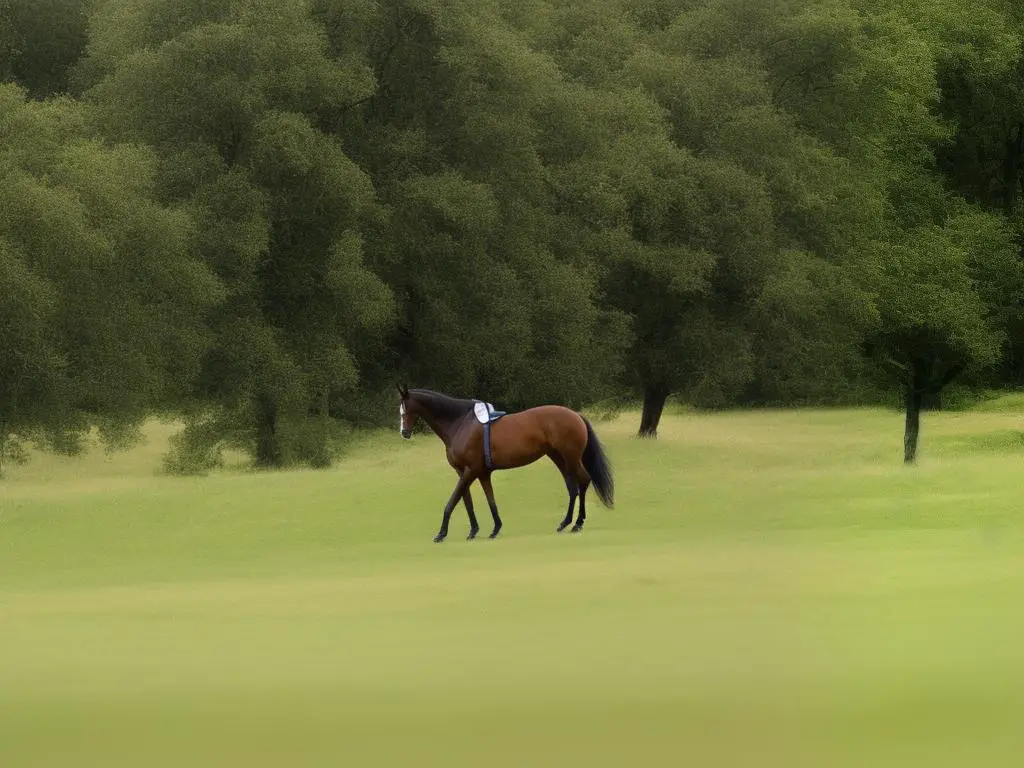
{"x":516,"y":450}
{"x":508,"y":458}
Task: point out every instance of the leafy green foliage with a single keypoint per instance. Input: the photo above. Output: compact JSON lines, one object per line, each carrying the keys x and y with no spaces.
{"x":294,"y":205}
{"x":945,"y":293}
{"x":41,"y":42}
{"x":233,"y":96}
{"x":103,"y":306}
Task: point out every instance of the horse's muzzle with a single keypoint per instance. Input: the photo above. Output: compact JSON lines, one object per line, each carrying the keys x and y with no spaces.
{"x":407,"y":434}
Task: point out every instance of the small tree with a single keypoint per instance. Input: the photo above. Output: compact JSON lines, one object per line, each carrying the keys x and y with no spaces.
{"x":945,"y":295}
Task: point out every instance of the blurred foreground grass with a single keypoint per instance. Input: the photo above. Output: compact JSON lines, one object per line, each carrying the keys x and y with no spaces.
{"x":773,"y":589}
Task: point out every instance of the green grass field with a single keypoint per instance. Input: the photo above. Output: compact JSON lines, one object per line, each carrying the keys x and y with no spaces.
{"x":772,"y":589}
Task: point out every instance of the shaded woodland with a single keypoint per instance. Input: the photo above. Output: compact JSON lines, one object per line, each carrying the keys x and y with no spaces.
{"x":261,"y":215}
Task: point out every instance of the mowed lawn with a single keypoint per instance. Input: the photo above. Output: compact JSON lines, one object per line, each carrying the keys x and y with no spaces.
{"x":772,"y":589}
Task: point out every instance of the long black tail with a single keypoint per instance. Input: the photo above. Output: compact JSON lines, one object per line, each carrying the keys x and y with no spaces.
{"x":596,"y":462}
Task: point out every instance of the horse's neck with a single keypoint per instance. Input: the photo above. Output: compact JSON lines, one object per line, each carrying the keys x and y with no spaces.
{"x":443,"y":428}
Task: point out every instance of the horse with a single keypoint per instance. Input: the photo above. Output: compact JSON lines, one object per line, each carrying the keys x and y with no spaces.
{"x":561,"y":434}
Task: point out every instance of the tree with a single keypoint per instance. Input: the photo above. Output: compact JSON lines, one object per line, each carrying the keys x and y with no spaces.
{"x":496,"y":288}
{"x":700,"y":242}
{"x":102,"y":305}
{"x":860,"y":81}
{"x":811,"y":318}
{"x":40,"y":43}
{"x":944,"y":297}
{"x":736,"y":201}
{"x":946,"y":275}
{"x":235,"y":97}
{"x":979,"y":65}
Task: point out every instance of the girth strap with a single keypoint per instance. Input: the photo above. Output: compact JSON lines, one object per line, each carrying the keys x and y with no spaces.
{"x":487,"y":446}
{"x":486,"y":415}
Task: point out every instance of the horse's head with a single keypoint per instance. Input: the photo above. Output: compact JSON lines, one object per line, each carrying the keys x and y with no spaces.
{"x":439,"y":411}
{"x":407,"y":412}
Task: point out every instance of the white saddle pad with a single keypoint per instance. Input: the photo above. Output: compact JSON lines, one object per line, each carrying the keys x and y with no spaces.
{"x":482,"y":411}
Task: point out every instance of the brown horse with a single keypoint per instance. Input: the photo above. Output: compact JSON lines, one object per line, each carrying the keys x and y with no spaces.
{"x":517,"y":439}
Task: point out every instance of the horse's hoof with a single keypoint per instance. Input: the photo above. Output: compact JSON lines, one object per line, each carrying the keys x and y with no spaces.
{"x":562,"y":527}
{"x":439,"y":538}
{"x":577,"y":528}
{"x":472,"y":535}
{"x":494,"y":534}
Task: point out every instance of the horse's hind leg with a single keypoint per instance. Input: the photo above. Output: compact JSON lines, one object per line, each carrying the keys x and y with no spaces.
{"x":570,"y":485}
{"x":581,"y":518}
{"x":573,"y":488}
{"x":584,"y":483}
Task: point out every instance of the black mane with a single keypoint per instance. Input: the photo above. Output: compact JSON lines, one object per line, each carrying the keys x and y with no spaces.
{"x":442,"y":405}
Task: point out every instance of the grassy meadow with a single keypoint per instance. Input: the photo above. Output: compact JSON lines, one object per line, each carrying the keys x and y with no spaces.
{"x":774,"y":588}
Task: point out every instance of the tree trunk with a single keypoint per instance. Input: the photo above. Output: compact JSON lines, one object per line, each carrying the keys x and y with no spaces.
{"x":923,"y":385}
{"x":268,"y":448}
{"x":5,"y":434}
{"x":1012,"y":169}
{"x":654,"y":404}
{"x":321,"y":458}
{"x":913,"y":422}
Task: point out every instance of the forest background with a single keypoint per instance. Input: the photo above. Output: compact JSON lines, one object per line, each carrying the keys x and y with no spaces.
{"x":259,"y":216}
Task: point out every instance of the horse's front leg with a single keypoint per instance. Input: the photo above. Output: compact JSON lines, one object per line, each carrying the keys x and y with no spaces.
{"x":474,"y":527}
{"x":460,"y":488}
{"x":485,"y":481}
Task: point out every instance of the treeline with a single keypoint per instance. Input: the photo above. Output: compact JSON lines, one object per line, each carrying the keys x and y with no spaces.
{"x":262,"y":214}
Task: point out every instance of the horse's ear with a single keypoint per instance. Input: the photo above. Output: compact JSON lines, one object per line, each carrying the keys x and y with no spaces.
{"x":403,"y":390}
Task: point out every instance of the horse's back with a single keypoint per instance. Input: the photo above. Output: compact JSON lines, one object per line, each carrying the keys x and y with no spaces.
{"x":549,"y":413}
{"x":557,"y":423}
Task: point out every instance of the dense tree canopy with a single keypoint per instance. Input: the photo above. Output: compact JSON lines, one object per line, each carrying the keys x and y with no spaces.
{"x":40,"y":43}
{"x":264,"y":214}
{"x":233,"y":97}
{"x":103,"y":304}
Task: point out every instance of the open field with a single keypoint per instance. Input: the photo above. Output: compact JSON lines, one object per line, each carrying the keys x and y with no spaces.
{"x":773,"y":589}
